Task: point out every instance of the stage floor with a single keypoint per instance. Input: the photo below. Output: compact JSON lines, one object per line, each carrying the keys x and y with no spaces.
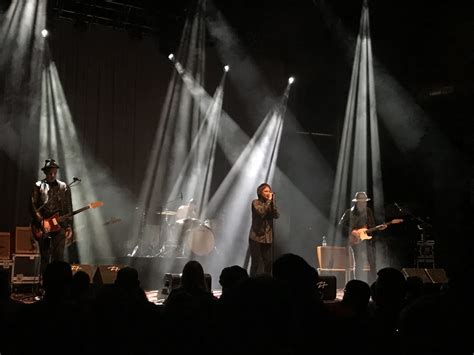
{"x":154,"y":296}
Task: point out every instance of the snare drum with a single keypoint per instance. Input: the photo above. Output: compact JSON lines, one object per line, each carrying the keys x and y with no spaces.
{"x":200,"y":240}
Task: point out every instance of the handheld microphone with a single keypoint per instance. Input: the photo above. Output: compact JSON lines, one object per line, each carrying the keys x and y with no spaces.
{"x":75,"y":178}
{"x":397,"y":206}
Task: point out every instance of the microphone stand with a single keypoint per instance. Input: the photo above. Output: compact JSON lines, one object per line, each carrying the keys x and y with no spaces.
{"x":73,"y":182}
{"x":140,"y":232}
{"x":273,"y":230}
{"x":421,"y":223}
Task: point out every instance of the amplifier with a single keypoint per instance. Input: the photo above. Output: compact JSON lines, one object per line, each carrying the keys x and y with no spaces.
{"x":24,"y":241}
{"x":5,"y":251}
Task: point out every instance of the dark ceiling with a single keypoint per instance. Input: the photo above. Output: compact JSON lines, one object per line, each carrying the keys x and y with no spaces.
{"x":427,"y":46}
{"x":435,"y":38}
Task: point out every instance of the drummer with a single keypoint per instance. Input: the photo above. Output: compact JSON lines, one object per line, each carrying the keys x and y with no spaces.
{"x":186,"y":220}
{"x":187,"y":211}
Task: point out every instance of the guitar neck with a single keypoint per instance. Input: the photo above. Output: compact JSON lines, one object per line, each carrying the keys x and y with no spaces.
{"x":373,"y":229}
{"x":74,"y":213}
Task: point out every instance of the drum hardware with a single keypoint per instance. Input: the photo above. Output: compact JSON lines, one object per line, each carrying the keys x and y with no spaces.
{"x":167,"y":213}
{"x":190,"y":236}
{"x":200,"y":240}
{"x":153,"y":231}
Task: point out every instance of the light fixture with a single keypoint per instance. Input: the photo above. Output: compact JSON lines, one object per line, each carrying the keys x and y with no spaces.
{"x":44,"y":33}
{"x":291,"y":80}
{"x":226,"y":68}
{"x":171,"y":56}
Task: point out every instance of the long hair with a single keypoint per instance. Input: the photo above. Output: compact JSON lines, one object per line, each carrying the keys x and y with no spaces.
{"x":261,"y":187}
{"x":193,"y":276}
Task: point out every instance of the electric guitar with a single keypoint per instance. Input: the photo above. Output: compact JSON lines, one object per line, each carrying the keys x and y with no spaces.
{"x":358,"y":235}
{"x":53,"y":223}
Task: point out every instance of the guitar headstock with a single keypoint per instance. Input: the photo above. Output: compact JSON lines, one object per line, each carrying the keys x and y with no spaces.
{"x":396,"y":221}
{"x":96,"y":204}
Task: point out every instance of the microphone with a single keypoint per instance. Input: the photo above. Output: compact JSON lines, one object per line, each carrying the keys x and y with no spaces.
{"x":75,"y":178}
{"x":397,"y":206}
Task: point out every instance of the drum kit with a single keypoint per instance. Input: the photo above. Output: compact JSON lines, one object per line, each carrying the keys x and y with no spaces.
{"x":185,"y":236}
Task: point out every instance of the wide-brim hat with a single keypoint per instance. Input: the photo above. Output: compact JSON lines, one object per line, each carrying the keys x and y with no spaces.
{"x":49,"y":164}
{"x":360,"y":196}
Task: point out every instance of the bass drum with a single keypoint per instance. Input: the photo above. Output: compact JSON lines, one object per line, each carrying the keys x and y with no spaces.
{"x":200,"y":240}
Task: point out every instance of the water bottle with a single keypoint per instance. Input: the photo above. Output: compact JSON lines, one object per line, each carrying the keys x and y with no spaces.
{"x":324,"y":241}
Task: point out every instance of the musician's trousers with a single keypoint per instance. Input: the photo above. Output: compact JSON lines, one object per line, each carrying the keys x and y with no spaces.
{"x":260,"y":253}
{"x":365,"y":252}
{"x":52,"y":248}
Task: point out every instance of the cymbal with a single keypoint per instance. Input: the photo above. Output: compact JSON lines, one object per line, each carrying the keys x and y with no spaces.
{"x":167,"y":213}
{"x":188,"y":220}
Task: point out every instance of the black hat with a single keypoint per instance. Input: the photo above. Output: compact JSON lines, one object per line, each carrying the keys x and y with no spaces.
{"x":49,"y":164}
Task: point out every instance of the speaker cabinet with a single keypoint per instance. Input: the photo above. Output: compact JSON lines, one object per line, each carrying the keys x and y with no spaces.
{"x":106,"y":274}
{"x":88,"y":269}
{"x":421,"y":273}
{"x":327,"y":287}
{"x":5,"y":251}
{"x":437,"y":276}
{"x":24,"y":241}
{"x":339,"y":275}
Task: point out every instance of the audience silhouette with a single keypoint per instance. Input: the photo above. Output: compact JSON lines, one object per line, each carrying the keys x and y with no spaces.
{"x":282,"y":313}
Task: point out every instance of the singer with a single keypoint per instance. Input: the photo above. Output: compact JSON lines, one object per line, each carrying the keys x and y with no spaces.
{"x":264,"y":210}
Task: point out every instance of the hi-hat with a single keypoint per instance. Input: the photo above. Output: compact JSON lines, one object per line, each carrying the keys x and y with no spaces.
{"x":167,"y":213}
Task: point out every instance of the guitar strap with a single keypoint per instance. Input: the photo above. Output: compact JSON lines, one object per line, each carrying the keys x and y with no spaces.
{"x":44,"y":189}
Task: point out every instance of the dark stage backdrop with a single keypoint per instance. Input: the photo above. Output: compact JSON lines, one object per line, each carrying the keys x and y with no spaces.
{"x":115,"y":87}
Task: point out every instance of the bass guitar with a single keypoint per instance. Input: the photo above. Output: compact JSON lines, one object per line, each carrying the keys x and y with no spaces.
{"x":53,"y":223}
{"x":358,"y":235}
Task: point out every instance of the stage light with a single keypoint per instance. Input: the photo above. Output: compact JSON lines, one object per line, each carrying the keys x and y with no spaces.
{"x":291,"y":80}
{"x":226,"y":68}
{"x":171,"y":56}
{"x":44,"y":33}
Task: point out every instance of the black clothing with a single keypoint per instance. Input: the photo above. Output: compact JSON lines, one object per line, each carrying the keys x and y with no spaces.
{"x":364,"y":251}
{"x":261,"y":234}
{"x":46,"y":200}
{"x":263,"y":214}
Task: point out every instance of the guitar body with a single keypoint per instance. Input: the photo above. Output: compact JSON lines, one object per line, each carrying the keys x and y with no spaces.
{"x":358,"y":235}
{"x":52,"y":224}
{"x":37,"y":231}
{"x":48,"y":225}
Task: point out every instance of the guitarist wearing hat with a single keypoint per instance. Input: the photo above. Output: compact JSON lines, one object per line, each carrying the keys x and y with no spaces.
{"x":51,"y":196}
{"x":355,"y":222}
